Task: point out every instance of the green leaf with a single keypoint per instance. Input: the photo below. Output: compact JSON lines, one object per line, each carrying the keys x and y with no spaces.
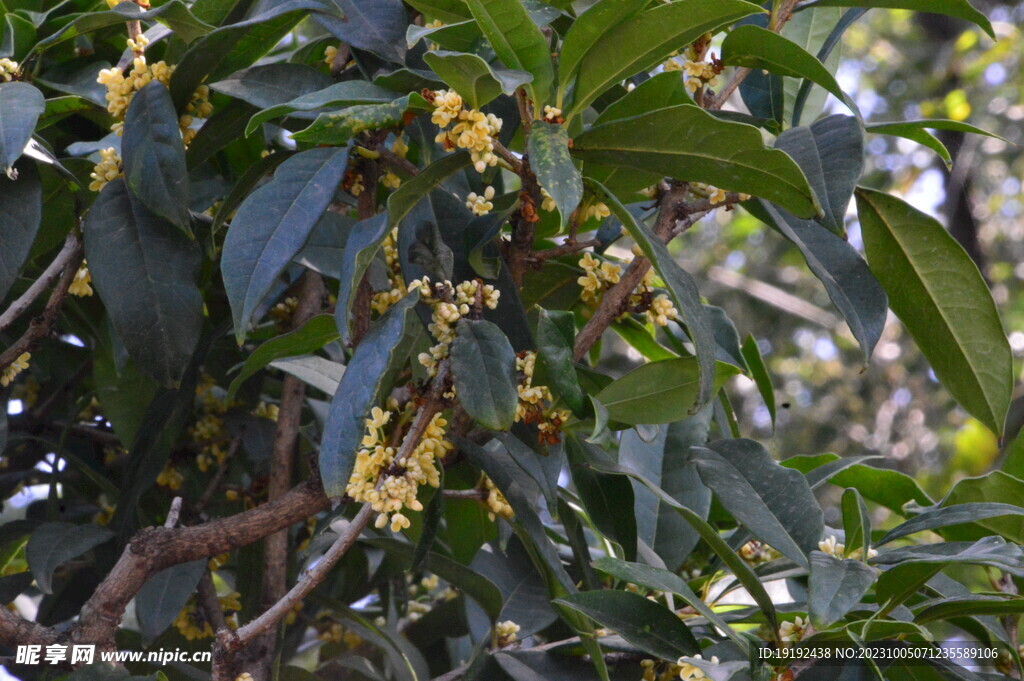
{"x":484,"y":373}
{"x":992,"y":551}
{"x":661,"y":579}
{"x":479,"y":588}
{"x":994,"y":487}
{"x":810,"y":29}
{"x":448,"y":11}
{"x":53,"y":544}
{"x":473,"y":78}
{"x":900,"y":582}
{"x":648,"y":625}
{"x":462,"y":36}
{"x":587,"y":32}
{"x":360,"y":249}
{"x":889,"y":488}
{"x":604,"y":496}
{"x":315,"y":333}
{"x":835,"y":587}
{"x":162,"y":597}
{"x":856,"y":522}
{"x":175,"y":14}
{"x":555,"y":334}
{"x":338,"y":95}
{"x":322,"y":374}
{"x":945,"y":516}
{"x":966,"y":606}
{"x":759,"y":372}
{"x":145,"y":271}
{"x":338,"y":128}
{"x":917,"y":131}
{"x":21,"y":105}
{"x":685,"y":296}
{"x":663,"y":461}
{"x":659,"y":392}
{"x":548,"y":151}
{"x":517,"y":41}
{"x":405,"y":198}
{"x":269,"y":85}
{"x":931,"y":281}
{"x":644,"y":40}
{"x":236,"y":46}
{"x":377,"y":27}
{"x":18,"y":36}
{"x":758,"y":48}
{"x":21,"y":212}
{"x":368,"y":375}
{"x":154,"y":156}
{"x":687,"y":143}
{"x":273,"y":223}
{"x":657,"y":92}
{"x":961,"y":9}
{"x":775,"y":503}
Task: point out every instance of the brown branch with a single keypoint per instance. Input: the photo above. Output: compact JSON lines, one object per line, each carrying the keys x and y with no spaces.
{"x":211,"y":605}
{"x":218,"y":477}
{"x":568,"y":248}
{"x":396,"y":162}
{"x":45,"y":280}
{"x":42,"y":325}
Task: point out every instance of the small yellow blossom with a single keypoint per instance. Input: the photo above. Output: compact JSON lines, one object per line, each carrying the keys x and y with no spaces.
{"x":691,"y":672}
{"x":80,"y":285}
{"x":15,"y":368}
{"x":330,"y":52}
{"x":506,"y":633}
{"x":547,"y":202}
{"x":791,"y":632}
{"x":267,"y":411}
{"x":8,"y":69}
{"x":244,"y":676}
{"x":170,"y":478}
{"x":552,"y":113}
{"x":480,"y":204}
{"x":497,"y":504}
{"x":109,"y":168}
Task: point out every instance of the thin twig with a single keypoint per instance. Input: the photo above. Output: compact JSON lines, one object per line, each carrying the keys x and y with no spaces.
{"x":568,"y":248}
{"x":49,"y":275}
{"x":396,"y":162}
{"x":211,"y":605}
{"x":42,"y":325}
{"x":218,"y":477}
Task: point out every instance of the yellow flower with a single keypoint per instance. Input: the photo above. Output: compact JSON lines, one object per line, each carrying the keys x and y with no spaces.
{"x":15,"y":368}
{"x":791,"y":632}
{"x":480,"y":204}
{"x":170,"y":478}
{"x":716,"y":196}
{"x":691,"y":672}
{"x":80,"y":284}
{"x":109,"y":168}
{"x":506,"y":632}
{"x":447,"y":107}
{"x":267,"y":411}
{"x":8,"y":69}
{"x":330,"y":52}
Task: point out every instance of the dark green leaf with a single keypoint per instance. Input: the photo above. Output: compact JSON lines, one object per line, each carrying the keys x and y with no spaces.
{"x":961,"y":9}
{"x":775,"y":503}
{"x":992,"y":551}
{"x":676,"y":142}
{"x":479,"y":588}
{"x":646,"y":39}
{"x":604,"y":497}
{"x":994,"y":487}
{"x":659,"y":392}
{"x":657,"y":92}
{"x":856,"y":523}
{"x":759,"y":372}
{"x":517,"y":41}
{"x":555,"y":335}
{"x":162,"y":597}
{"x":154,"y":156}
{"x":810,"y":29}
{"x":448,"y":11}
{"x":758,"y":48}
{"x":550,"y":160}
{"x":368,"y":374}
{"x":587,"y":32}
{"x":145,"y":271}
{"x":648,"y":625}
{"x":958,"y":514}
{"x":889,"y":488}
{"x":462,"y":36}
{"x":484,"y":373}
{"x":917,"y":131}
{"x":661,"y":579}
{"x":931,"y":281}
{"x":473,"y":78}
{"x":377,"y":27}
{"x":684,"y":293}
{"x":21,"y":210}
{"x":315,"y":333}
{"x":970,"y":605}
{"x":53,"y":544}
{"x":272,"y":225}
{"x":21,"y":105}
{"x":175,"y":14}
{"x":338,"y":128}
{"x":347,"y":93}
{"x":403,"y":199}
{"x":272,"y":84}
{"x":360,"y":249}
{"x":835,"y":587}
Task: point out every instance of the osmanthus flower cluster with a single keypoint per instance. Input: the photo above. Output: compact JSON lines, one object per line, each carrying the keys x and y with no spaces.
{"x":449,"y":304}
{"x":536,"y":403}
{"x":388,"y":484}
{"x":16,"y":367}
{"x":8,"y":69}
{"x":600,"y":275}
{"x":122,"y":86}
{"x":473,"y":130}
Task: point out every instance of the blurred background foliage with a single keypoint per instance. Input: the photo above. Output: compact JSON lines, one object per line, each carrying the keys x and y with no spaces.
{"x":898,"y":66}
